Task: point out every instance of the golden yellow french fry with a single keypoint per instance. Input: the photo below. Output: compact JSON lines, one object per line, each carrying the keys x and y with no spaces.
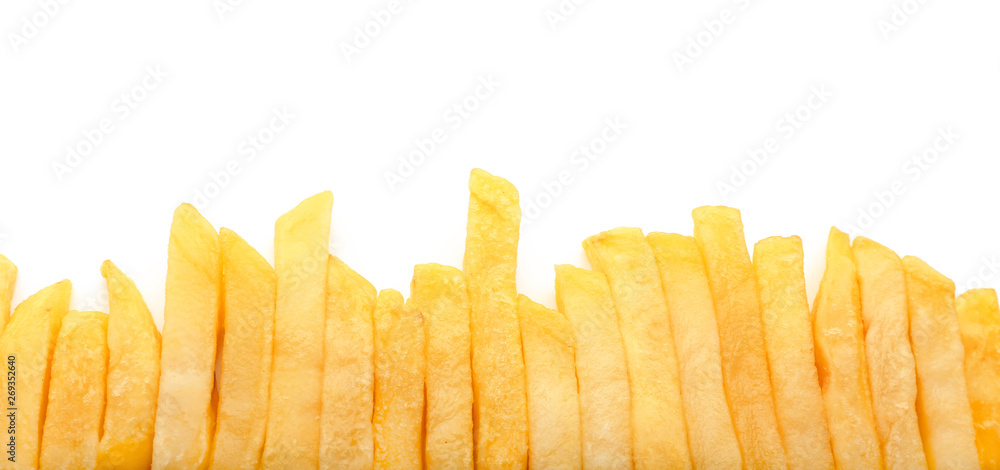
{"x":301,"y":255}
{"x":979,"y":319}
{"x":658,"y":429}
{"x":26,"y":345}
{"x":840,"y":358}
{"x":248,"y":293}
{"x":891,"y":368}
{"x":945,"y":415}
{"x":8,"y":276}
{"x":133,"y":377}
{"x":712,"y":438}
{"x":500,"y":411}
{"x":184,"y":415}
{"x":347,"y":439}
{"x":439,"y":294}
{"x":399,"y":383}
{"x":553,"y":399}
{"x":76,"y":392}
{"x":601,"y":369}
{"x":719,"y":232}
{"x":788,"y":336}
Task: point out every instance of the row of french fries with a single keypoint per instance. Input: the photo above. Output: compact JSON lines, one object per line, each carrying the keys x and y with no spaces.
{"x":673,"y":352}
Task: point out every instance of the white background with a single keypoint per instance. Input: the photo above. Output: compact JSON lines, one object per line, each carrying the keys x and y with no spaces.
{"x":687,"y":127}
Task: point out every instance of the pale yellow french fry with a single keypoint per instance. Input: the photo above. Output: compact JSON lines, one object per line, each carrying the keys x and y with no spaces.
{"x":301,"y":255}
{"x":8,"y":276}
{"x":945,"y":415}
{"x":184,"y":413}
{"x":791,"y":355}
{"x":439,"y":294}
{"x":891,"y":368}
{"x":601,"y":369}
{"x":347,"y":439}
{"x":719,"y":232}
{"x":399,"y":383}
{"x":658,"y":429}
{"x":553,"y":399}
{"x":249,"y":293}
{"x":840,"y":358}
{"x":26,"y":345}
{"x":979,"y":319}
{"x":76,"y":392}
{"x":500,"y":412}
{"x":133,"y":377}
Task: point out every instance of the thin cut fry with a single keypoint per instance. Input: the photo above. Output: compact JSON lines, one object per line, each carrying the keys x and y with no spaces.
{"x":347,"y":439}
{"x":658,"y":429}
{"x":979,"y":319}
{"x":184,"y":414}
{"x":553,"y":400}
{"x":601,"y":370}
{"x":8,"y":276}
{"x":943,"y":408}
{"x":791,"y":355}
{"x":719,"y":232}
{"x":711,"y":435}
{"x":500,"y":411}
{"x":439,"y":293}
{"x":891,"y":368}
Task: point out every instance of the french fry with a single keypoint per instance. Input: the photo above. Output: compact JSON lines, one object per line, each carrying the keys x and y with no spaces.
{"x":184,"y":414}
{"x":658,"y":429}
{"x":719,"y":232}
{"x":301,"y":255}
{"x":76,"y":392}
{"x":788,"y":337}
{"x":399,"y":383}
{"x":979,"y":320}
{"x":891,"y":368}
{"x":8,"y":276}
{"x":27,"y":344}
{"x":133,"y":377}
{"x":439,"y":293}
{"x":553,"y":399}
{"x":347,"y":439}
{"x":601,"y":369}
{"x":500,"y":410}
{"x":945,"y":416}
{"x":840,"y":358}
{"x":711,"y":435}
{"x":249,"y":293}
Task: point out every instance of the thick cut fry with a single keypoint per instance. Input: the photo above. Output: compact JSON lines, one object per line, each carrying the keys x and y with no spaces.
{"x":439,"y":293}
{"x":711,"y":435}
{"x":133,"y":377}
{"x":601,"y":370}
{"x":719,"y":232}
{"x":399,"y":383}
{"x":347,"y":440}
{"x":979,"y":319}
{"x":76,"y":392}
{"x":8,"y":275}
{"x":887,"y":348}
{"x":500,"y":411}
{"x":27,"y":345}
{"x":553,"y":399}
{"x":658,"y":430}
{"x":184,"y":414}
{"x":791,"y":356}
{"x":943,"y":408}
{"x":249,"y":293}
{"x":301,"y":255}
